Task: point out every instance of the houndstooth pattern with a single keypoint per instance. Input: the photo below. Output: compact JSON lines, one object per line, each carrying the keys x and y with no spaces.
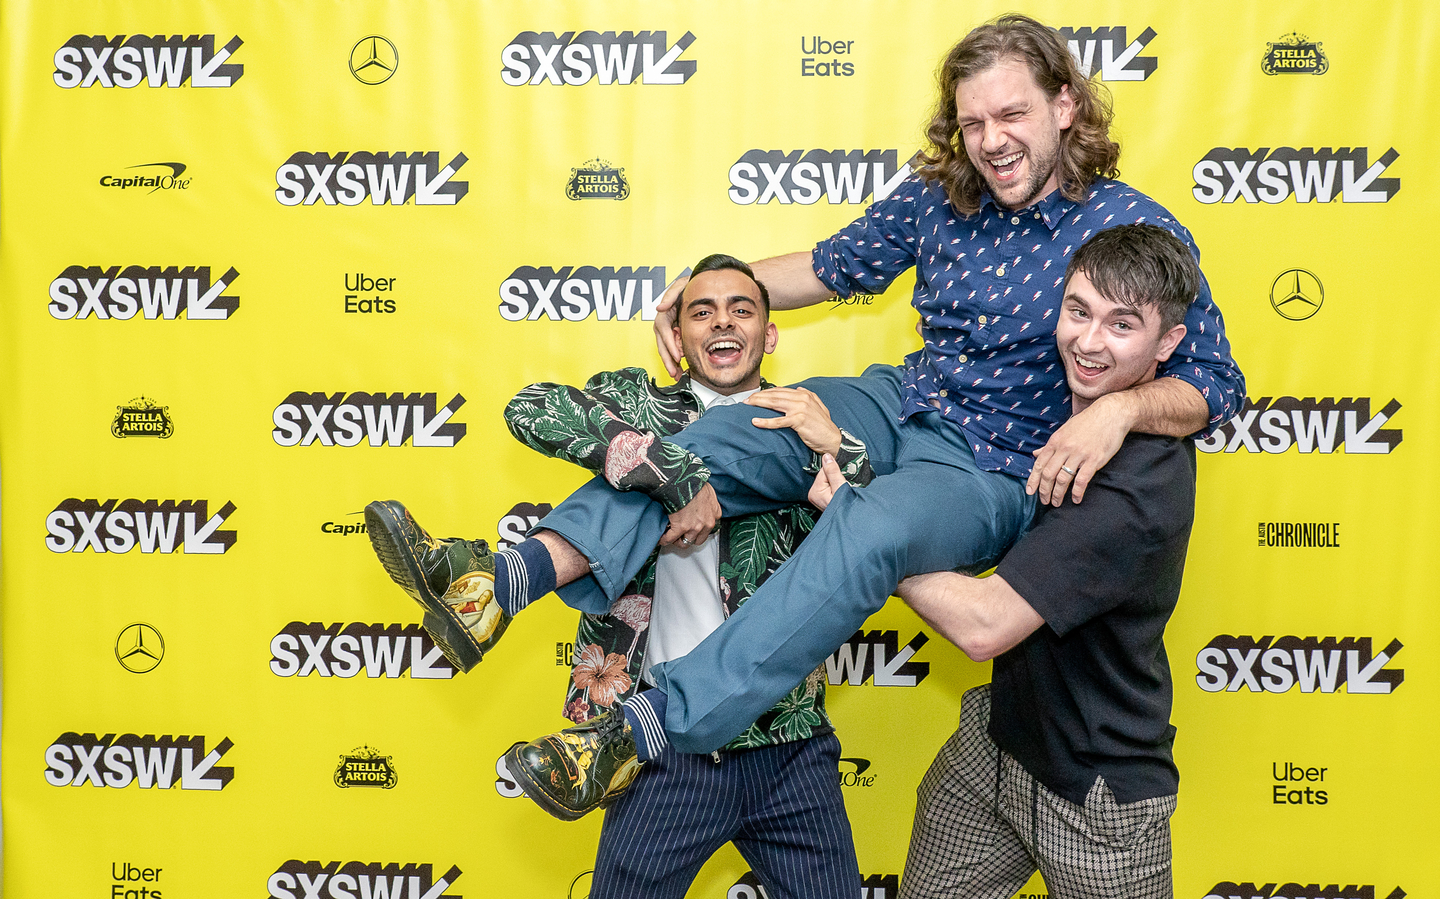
{"x":983,"y":826}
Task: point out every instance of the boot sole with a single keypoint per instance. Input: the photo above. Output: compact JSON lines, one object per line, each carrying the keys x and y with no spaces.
{"x":383,"y":524}
{"x":533,"y":789}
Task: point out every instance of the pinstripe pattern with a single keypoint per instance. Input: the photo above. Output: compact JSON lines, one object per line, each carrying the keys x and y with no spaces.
{"x":983,"y":825}
{"x":780,"y":805}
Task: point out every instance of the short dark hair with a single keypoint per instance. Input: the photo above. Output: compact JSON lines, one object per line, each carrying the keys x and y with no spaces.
{"x":1086,"y":150}
{"x":716,"y":262}
{"x":1140,"y":265}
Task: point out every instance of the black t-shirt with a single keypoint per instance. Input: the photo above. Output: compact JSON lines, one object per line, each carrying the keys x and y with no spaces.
{"x":1089,"y":692}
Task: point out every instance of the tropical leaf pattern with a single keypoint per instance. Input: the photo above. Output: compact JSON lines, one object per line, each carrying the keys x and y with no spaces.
{"x":580,"y":426}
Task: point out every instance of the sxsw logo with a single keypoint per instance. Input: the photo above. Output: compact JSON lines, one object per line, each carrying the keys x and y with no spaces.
{"x":1226,"y":889}
{"x":75,"y":760}
{"x":800,"y":176}
{"x":520,"y":519}
{"x":312,"y":880}
{"x":1310,"y":425}
{"x":385,"y":178}
{"x":874,"y":886}
{"x":380,"y":419}
{"x":877,"y":655}
{"x":1267,"y":665}
{"x":1119,"y":59}
{"x":1270,"y":176}
{"x":344,"y":651}
{"x":505,"y":783}
{"x":575,"y":294}
{"x":158,"y":61}
{"x":151,"y":292}
{"x":570,"y":58}
{"x":152,"y":525}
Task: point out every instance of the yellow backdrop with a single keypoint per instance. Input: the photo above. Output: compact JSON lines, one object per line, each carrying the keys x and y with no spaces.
{"x":261,"y":263}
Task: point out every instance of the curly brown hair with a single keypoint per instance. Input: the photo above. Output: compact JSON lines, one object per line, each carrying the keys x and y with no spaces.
{"x":1086,"y":150}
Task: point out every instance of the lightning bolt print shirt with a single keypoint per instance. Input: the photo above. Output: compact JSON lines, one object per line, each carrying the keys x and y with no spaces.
{"x":988,"y":289}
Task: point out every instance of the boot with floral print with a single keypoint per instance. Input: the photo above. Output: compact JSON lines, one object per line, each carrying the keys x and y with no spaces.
{"x":571,"y":773}
{"x":452,"y":579}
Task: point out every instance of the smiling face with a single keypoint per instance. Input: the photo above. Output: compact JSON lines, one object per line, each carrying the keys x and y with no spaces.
{"x":1011,"y":131}
{"x":1108,"y":346}
{"x":723,"y":331}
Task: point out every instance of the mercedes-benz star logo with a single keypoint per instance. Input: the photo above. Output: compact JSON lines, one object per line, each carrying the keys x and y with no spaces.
{"x":373,"y":60}
{"x":1297,"y":294}
{"x":139,"y":648}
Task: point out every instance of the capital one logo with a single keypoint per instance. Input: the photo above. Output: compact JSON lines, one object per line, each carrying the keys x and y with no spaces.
{"x":1267,"y":425}
{"x":878,"y":657}
{"x":805,"y":177}
{"x":149,"y":762}
{"x":1309,"y":175}
{"x":296,"y":879}
{"x":1268,"y":665}
{"x":380,"y":419}
{"x":152,"y":292}
{"x":610,"y":58}
{"x":348,"y":179}
{"x":1108,"y":50}
{"x":98,"y":61}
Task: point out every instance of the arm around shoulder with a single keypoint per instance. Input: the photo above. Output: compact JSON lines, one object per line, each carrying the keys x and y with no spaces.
{"x":985,"y":617}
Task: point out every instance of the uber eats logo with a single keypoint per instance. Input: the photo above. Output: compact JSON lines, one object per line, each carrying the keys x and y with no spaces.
{"x":877,"y":655}
{"x":1268,"y":665}
{"x":1107,"y":50}
{"x":346,"y":650}
{"x":380,"y":419}
{"x":158,"y":61}
{"x":85,"y":291}
{"x":151,"y":525}
{"x":1227,"y":889}
{"x":348,"y":179}
{"x":804,"y":177}
{"x":610,"y":58}
{"x":1310,"y":425}
{"x":149,"y":762}
{"x":1310,"y":175}
{"x":575,"y":294}
{"x":312,"y":880}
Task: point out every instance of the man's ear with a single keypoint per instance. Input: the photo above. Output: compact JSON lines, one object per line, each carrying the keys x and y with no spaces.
{"x":772,"y":337}
{"x":1168,"y":342}
{"x":1064,"y":106}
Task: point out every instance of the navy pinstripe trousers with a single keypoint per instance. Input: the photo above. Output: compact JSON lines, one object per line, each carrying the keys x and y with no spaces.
{"x":780,"y":805}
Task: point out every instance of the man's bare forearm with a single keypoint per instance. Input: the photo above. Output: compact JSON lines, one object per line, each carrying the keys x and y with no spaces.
{"x":791,"y":281}
{"x":983,"y":616}
{"x":1166,"y":406}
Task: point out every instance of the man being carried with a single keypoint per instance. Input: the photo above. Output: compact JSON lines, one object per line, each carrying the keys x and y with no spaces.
{"x":1063,"y":762}
{"x":774,"y":790}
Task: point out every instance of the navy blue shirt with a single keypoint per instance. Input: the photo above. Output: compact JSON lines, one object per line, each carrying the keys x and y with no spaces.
{"x":988,"y":289}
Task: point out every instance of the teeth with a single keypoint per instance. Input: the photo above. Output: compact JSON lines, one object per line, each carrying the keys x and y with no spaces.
{"x":724,"y":345}
{"x":1013,"y":157}
{"x":1085,"y":364}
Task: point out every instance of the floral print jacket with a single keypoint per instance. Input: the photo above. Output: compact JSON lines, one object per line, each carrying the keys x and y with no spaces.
{"x":613,"y":427}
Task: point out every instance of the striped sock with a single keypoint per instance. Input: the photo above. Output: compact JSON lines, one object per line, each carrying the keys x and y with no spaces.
{"x":523,"y":574}
{"x":645,"y":712}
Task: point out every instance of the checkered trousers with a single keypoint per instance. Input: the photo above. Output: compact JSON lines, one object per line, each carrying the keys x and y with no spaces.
{"x":983,"y":826}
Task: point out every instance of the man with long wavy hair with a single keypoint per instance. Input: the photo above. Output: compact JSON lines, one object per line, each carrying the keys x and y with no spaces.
{"x":966,"y":437}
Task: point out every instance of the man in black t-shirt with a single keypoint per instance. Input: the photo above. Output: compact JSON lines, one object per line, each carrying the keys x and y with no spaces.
{"x":1063,"y":762}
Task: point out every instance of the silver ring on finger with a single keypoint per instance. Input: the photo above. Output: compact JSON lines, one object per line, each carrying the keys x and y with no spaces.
{"x":1068,"y":470}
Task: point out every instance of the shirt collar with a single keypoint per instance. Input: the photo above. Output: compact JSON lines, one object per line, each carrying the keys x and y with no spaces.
{"x":1052,"y":209}
{"x":685,"y":385}
{"x":709,"y":398}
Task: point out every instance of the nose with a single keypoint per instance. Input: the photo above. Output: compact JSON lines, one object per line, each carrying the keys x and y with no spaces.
{"x":720,"y":321}
{"x":1091,"y":338}
{"x":993,"y":138}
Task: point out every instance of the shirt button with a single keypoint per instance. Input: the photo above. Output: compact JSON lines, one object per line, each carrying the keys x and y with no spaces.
{"x":1037,"y":215}
{"x":962,"y":358}
{"x":1000,"y":272}
{"x":982,"y":319}
{"x":1015,"y":220}
{"x":944,"y":393}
